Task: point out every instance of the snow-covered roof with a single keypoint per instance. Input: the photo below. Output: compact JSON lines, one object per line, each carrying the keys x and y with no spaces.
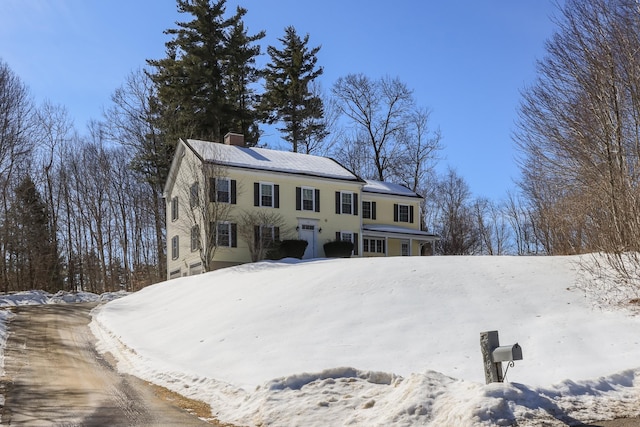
{"x":397,"y":230}
{"x":381,"y":187}
{"x":270,"y":160}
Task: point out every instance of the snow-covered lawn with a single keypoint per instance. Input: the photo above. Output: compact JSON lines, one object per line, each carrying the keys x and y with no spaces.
{"x":376,"y":342}
{"x":380,"y":342}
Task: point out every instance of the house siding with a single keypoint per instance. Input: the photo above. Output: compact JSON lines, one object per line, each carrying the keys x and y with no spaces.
{"x":181,"y":227}
{"x":386,"y":213}
{"x":324,"y":217}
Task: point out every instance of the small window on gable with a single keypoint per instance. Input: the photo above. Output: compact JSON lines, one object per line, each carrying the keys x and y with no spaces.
{"x":174,"y":208}
{"x":195,"y":238}
{"x":194,"y":195}
{"x":175,"y":247}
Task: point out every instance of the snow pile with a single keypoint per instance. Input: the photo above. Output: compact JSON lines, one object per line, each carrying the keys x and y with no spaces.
{"x":41,"y":297}
{"x":377,"y":342}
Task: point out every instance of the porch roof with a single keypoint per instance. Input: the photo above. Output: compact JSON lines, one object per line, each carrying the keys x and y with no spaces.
{"x":397,"y":232}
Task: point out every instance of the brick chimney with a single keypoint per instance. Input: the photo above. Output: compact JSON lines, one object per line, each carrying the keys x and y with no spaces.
{"x":234,"y":139}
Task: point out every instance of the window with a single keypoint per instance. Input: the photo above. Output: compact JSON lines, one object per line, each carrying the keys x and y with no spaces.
{"x":175,"y":247}
{"x":266,"y":194}
{"x":366,"y":209}
{"x":404,"y":248}
{"x":265,"y":235}
{"x":402,"y":213}
{"x":174,"y":274}
{"x":194,"y":195}
{"x":195,"y":238}
{"x":373,"y":245}
{"x":224,"y":234}
{"x":369,"y":210}
{"x":222,"y":190}
{"x":174,"y":208}
{"x":346,"y":236}
{"x":346,"y":202}
{"x":307,"y":199}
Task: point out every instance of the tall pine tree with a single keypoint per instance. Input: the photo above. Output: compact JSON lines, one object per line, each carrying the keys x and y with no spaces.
{"x":194,"y":97}
{"x":240,"y":73}
{"x":288,"y":97}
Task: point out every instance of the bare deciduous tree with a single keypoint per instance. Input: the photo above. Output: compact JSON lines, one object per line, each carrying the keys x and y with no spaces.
{"x":579,"y":133}
{"x":420,"y":153}
{"x":261,"y":230}
{"x":377,"y":110}
{"x":455,"y":222}
{"x":131,"y":122}
{"x":493,"y":227}
{"x":15,"y":147}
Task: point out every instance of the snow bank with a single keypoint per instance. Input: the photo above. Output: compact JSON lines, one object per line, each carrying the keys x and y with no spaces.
{"x":376,"y":342}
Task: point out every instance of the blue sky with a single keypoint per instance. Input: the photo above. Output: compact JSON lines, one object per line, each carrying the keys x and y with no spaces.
{"x":466,"y":60}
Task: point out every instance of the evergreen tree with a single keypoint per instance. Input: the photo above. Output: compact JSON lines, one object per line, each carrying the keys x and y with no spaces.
{"x":34,"y":244}
{"x":288,"y":97}
{"x":193,"y":97}
{"x":240,"y":73}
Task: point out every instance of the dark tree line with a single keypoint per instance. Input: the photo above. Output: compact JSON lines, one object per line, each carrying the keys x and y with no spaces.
{"x":76,"y":212}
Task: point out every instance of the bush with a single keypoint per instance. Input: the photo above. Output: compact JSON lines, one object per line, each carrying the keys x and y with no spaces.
{"x":293,"y":248}
{"x":338,"y":249}
{"x":273,"y":252}
{"x":287,"y":249}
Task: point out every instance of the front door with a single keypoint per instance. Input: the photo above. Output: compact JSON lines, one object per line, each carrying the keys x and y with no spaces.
{"x":308,"y":232}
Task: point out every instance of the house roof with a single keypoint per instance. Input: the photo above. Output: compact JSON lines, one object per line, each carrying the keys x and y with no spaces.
{"x":384,"y":230}
{"x":381,"y":187}
{"x":270,"y":160}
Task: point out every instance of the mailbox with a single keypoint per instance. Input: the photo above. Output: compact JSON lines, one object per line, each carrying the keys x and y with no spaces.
{"x":507,"y":353}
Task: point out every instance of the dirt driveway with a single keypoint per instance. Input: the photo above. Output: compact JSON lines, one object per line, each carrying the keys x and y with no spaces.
{"x":54,"y":377}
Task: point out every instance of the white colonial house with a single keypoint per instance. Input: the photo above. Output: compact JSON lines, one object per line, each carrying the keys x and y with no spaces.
{"x":224,"y":199}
